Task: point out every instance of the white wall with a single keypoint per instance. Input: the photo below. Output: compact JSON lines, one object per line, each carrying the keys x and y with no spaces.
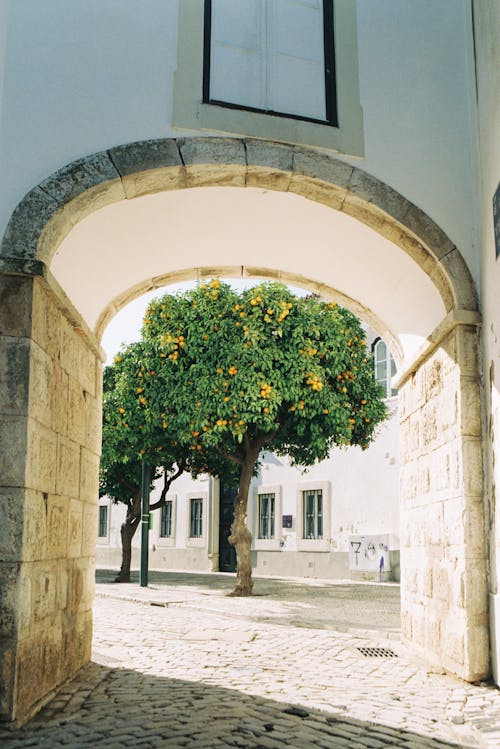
{"x":83,"y":76}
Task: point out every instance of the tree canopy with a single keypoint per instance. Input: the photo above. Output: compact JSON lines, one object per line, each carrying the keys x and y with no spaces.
{"x":225,"y":374}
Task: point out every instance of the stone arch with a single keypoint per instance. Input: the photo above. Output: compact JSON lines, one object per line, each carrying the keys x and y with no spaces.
{"x":54,"y":408}
{"x":48,"y":212}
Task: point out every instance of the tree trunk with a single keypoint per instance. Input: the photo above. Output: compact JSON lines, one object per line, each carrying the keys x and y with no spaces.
{"x":240,"y":537}
{"x":127,"y":532}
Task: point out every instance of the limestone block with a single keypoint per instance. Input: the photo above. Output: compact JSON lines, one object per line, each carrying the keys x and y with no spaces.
{"x":40,"y":385}
{"x":477,"y":653}
{"x":373,"y":217}
{"x":454,"y":643}
{"x":93,"y":425}
{"x":16,"y":298}
{"x":81,"y":175}
{"x":27,"y":222}
{"x":59,"y":399}
{"x":9,"y":576}
{"x":24,"y":607}
{"x":269,"y":164}
{"x":7,"y":675}
{"x":441,"y":471}
{"x":424,"y":478}
{"x":442,"y":587}
{"x":442,"y":283}
{"x":43,"y":592}
{"x":209,"y":161}
{"x":470,"y":408}
{"x":371,"y":190}
{"x":77,"y":411}
{"x":472,"y":466}
{"x":89,"y":478}
{"x":77,"y":642}
{"x":454,"y":522}
{"x":457,"y":271}
{"x":70,"y":348}
{"x":75,"y":528}
{"x":46,"y":329}
{"x":474,"y":530}
{"x":149,"y":166}
{"x":35,"y":527}
{"x":467,"y":350}
{"x":76,"y":586}
{"x":213,"y":175}
{"x":430,"y":432}
{"x":476,"y":588}
{"x":14,"y":375}
{"x":317,"y":190}
{"x":57,"y":526}
{"x":86,"y":374}
{"x":145,"y":155}
{"x":89,"y":535}
{"x":447,"y":413}
{"x":68,"y":467}
{"x":321,"y":167}
{"x":62,"y":585}
{"x":427,"y":231}
{"x":13,"y":439}
{"x":39,"y":654}
{"x":212,"y":151}
{"x":11,"y":527}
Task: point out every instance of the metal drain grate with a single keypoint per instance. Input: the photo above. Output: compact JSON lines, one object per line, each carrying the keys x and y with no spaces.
{"x":377,"y":652}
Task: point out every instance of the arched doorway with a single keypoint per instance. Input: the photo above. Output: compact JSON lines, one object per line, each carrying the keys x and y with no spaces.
{"x":51,"y":395}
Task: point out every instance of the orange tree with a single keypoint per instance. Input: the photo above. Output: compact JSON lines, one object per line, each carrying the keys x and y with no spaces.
{"x":131,"y":433}
{"x":259,"y":369}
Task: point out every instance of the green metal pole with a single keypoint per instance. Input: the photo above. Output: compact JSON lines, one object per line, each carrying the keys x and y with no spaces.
{"x":144,"y":524}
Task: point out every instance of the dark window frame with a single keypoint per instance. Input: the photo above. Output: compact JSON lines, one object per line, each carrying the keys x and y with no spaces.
{"x":331,"y":109}
{"x":316,"y":533}
{"x":267,"y":522}
{"x":166,"y":519}
{"x":103,"y":521}
{"x":195,"y":517}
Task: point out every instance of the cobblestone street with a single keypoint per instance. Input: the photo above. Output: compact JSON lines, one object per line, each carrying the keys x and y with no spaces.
{"x":180,"y":664}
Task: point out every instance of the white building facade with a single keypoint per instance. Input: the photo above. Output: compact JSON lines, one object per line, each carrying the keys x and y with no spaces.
{"x":347,"y":147}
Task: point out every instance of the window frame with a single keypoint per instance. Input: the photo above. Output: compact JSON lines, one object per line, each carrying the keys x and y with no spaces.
{"x":105,"y":537}
{"x":197,"y":541}
{"x":390,"y":392}
{"x":274,"y":543}
{"x":330,"y":83}
{"x":190,"y":113}
{"x":314,"y":544}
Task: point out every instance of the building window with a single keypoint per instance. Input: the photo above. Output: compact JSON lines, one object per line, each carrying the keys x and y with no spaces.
{"x":196,"y":518}
{"x":166,"y":520}
{"x":103,"y":521}
{"x":280,"y":54}
{"x":385,"y":367}
{"x":266,"y":515}
{"x":312,"y":514}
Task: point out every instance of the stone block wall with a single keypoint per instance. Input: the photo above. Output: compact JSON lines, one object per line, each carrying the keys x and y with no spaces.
{"x":443,"y":543}
{"x":50,"y":436}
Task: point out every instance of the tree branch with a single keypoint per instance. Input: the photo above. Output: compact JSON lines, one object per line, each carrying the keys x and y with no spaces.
{"x":167,"y":482}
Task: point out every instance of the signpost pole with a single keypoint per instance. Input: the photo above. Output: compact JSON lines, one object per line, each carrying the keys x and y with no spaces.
{"x":144,"y":524}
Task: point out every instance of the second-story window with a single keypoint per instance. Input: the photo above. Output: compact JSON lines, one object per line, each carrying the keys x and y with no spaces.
{"x":273,"y":56}
{"x":385,"y":367}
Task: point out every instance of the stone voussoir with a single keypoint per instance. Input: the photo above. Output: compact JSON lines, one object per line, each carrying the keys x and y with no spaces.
{"x":27,"y":223}
{"x":145,"y":155}
{"x":81,"y":175}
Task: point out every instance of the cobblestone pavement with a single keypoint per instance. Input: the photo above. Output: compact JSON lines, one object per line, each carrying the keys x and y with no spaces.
{"x":183,"y":665}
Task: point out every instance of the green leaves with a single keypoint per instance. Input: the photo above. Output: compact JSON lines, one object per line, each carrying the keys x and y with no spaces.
{"x":218,"y":375}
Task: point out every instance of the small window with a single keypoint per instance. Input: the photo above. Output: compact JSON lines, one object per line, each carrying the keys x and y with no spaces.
{"x":266,"y":515}
{"x":312,"y":514}
{"x":103,"y":521}
{"x":196,"y":518}
{"x":280,"y":54}
{"x":385,"y":367}
{"x":166,"y":520}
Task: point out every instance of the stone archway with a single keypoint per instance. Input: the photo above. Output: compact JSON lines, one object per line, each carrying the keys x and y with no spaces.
{"x":50,"y":407}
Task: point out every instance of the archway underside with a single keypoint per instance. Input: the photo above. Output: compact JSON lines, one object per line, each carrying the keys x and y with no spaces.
{"x":53,"y":412}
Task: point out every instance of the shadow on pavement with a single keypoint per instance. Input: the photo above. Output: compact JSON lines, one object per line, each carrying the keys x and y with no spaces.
{"x":118,"y":707}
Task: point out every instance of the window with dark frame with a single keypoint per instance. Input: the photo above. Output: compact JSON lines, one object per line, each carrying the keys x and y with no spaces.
{"x":266,"y":516}
{"x":271,"y":56}
{"x":385,"y":367}
{"x":103,"y":521}
{"x":312,"y":514}
{"x":196,"y":518}
{"x":166,"y":520}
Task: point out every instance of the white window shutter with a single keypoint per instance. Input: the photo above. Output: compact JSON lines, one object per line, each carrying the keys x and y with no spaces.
{"x":236,"y":61}
{"x":296,"y":77}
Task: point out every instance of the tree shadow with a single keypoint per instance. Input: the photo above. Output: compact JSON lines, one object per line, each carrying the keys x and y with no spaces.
{"x":117,"y":707}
